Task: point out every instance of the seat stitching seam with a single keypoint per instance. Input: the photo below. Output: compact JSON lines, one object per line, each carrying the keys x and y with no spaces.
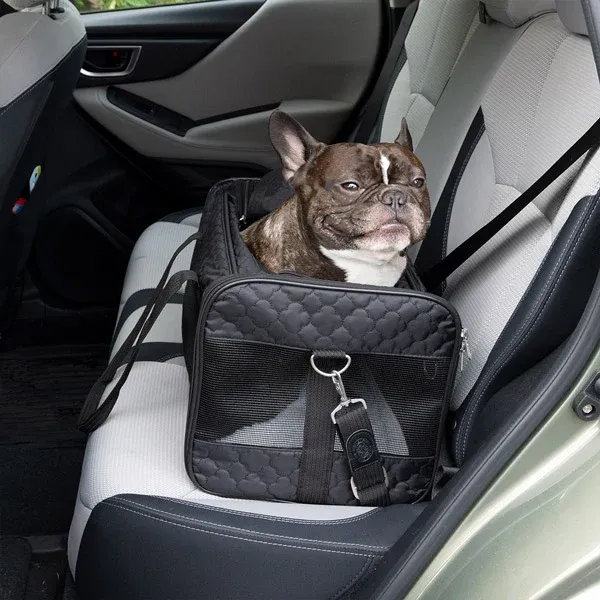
{"x":244,"y":539}
{"x":367,"y":564}
{"x":24,"y":37}
{"x":273,"y":518}
{"x":428,"y":59}
{"x":529,"y":134}
{"x":41,"y":81}
{"x":534,"y":308}
{"x":24,"y":95}
{"x":459,"y":177}
{"x":249,"y":531}
{"x":526,"y":324}
{"x":509,"y":350}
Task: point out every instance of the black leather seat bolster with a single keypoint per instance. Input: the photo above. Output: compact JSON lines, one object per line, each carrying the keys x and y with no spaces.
{"x":227,"y":554}
{"x":547,"y":314}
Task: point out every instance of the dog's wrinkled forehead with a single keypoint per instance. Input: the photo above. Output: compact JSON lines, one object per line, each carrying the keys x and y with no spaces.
{"x":376,"y":163}
{"x":301,"y":154}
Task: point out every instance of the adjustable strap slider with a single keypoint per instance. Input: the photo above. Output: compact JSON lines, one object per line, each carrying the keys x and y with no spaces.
{"x":355,"y":491}
{"x":369,"y":480}
{"x":345,"y":404}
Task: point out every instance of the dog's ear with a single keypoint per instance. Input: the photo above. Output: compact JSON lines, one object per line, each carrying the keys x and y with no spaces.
{"x":404,"y":138}
{"x":293,"y":143}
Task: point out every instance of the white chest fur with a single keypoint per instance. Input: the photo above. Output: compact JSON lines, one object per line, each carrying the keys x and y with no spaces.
{"x":368,"y":268}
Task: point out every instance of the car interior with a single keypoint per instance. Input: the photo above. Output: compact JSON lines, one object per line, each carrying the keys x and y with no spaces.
{"x":115,"y":126}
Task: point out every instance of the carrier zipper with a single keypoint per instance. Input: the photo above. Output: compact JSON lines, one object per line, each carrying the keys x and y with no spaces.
{"x":244,"y":205}
{"x":464,"y":348}
{"x":228,"y":241}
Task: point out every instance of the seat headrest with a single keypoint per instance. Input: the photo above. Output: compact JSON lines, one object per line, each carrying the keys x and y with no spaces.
{"x":571,"y":15}
{"x":514,"y":13}
{"x":21,"y":4}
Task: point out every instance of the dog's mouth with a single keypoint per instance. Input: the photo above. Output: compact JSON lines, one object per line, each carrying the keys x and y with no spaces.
{"x":388,"y":228}
{"x":391,"y":227}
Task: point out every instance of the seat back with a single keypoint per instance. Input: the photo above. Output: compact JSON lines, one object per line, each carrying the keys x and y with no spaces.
{"x":522,"y":294}
{"x":41,"y":52}
{"x":438,"y":35}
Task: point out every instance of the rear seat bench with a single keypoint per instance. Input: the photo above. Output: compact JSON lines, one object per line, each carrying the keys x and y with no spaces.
{"x":142,"y":528}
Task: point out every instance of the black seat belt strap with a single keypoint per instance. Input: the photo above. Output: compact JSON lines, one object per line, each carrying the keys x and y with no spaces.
{"x":433,"y":277}
{"x":395,"y":54}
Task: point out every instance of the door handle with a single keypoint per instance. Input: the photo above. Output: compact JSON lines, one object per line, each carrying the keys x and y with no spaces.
{"x":110,"y":61}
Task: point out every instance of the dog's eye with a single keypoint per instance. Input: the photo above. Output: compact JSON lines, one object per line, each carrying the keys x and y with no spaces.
{"x":350,"y":186}
{"x":418,"y":182}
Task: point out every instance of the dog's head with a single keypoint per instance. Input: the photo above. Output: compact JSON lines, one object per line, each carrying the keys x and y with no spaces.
{"x":370,"y":198}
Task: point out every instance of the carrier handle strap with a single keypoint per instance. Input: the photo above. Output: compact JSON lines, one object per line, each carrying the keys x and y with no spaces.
{"x":316,"y":460}
{"x":93,"y":414}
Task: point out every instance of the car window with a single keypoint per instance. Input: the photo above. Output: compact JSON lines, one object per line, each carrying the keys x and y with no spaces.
{"x":86,"y":6}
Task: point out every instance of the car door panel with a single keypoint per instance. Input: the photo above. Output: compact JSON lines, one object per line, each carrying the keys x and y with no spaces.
{"x":314,"y":57}
{"x":170,"y":39}
{"x":158,"y":59}
{"x":194,"y":110}
{"x":242,"y":139}
{"x":216,"y":18}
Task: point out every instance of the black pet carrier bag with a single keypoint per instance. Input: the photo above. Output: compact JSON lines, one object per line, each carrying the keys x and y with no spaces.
{"x":301,"y":390}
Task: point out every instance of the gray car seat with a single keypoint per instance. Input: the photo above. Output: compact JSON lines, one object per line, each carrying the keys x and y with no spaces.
{"x":41,"y":51}
{"x":506,"y":113}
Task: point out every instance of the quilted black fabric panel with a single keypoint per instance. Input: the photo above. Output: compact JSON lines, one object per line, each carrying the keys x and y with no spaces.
{"x":221,"y":251}
{"x":271,"y":474}
{"x":303,"y":316}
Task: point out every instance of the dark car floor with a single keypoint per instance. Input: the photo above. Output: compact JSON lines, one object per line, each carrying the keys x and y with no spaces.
{"x":47,"y":366}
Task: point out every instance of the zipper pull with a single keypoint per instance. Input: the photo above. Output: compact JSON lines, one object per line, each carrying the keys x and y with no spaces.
{"x":464,"y":348}
{"x":242,"y":220}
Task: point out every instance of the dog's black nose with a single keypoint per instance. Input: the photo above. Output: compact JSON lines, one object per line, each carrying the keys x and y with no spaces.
{"x":394,"y":199}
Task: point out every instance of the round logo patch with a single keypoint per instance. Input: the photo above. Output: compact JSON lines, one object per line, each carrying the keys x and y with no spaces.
{"x":362,"y":447}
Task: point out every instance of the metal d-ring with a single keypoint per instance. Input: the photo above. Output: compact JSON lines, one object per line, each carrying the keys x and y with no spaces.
{"x":332,"y":373}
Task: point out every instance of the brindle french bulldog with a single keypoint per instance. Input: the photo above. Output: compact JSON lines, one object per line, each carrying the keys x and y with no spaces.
{"x":355,"y":210}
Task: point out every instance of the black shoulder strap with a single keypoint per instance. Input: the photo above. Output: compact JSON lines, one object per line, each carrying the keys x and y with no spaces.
{"x":93,"y":414}
{"x":395,"y":53}
{"x":433,"y":277}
